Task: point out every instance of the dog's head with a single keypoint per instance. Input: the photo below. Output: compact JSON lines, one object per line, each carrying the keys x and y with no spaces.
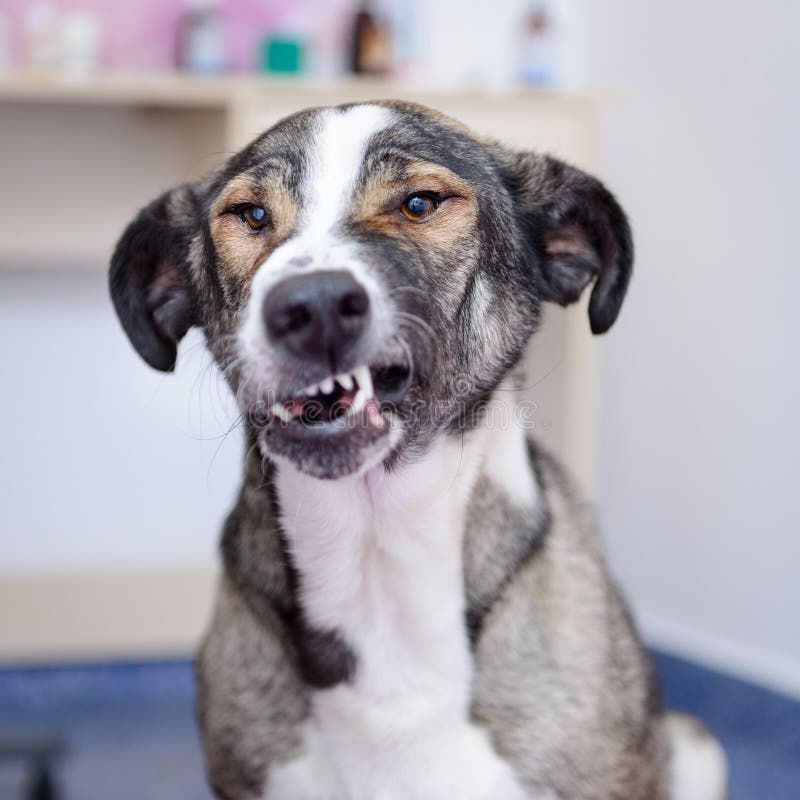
{"x":366,"y":274}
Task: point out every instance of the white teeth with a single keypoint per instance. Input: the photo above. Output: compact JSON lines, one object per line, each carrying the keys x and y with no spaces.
{"x":364,"y":393}
{"x":359,"y":379}
{"x":364,"y":379}
{"x":359,"y":401}
{"x":279,"y":411}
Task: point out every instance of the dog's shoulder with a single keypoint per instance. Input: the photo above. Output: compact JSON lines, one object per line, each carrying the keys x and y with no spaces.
{"x":253,"y":550}
{"x":555,"y":636}
{"x":508,"y":526}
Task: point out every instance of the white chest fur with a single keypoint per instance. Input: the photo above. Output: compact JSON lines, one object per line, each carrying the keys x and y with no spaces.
{"x":379,"y":558}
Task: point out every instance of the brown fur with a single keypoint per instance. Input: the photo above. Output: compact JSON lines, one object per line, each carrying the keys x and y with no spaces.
{"x":242,"y":250}
{"x":377,"y":205}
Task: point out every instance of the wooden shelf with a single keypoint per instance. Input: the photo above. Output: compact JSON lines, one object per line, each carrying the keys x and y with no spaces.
{"x":179,"y":90}
{"x":38,"y":258}
{"x":98,"y":148}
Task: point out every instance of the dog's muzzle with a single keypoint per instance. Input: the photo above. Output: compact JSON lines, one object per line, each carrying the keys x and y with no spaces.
{"x":340,"y":371}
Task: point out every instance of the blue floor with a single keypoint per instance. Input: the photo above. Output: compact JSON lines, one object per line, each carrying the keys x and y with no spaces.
{"x":760,"y":730}
{"x":131,"y":735}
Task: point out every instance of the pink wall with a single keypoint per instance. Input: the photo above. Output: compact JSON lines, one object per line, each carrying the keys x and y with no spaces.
{"x":142,"y":34}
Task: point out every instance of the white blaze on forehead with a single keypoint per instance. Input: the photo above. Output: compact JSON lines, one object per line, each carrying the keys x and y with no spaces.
{"x":335,"y":160}
{"x":335,"y":157}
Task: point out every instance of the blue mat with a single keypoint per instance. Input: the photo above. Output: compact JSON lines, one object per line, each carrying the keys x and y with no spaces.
{"x":760,"y":730}
{"x":131,"y":733}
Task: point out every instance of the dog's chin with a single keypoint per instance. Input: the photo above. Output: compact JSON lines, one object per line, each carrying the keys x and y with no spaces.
{"x":330,"y":450}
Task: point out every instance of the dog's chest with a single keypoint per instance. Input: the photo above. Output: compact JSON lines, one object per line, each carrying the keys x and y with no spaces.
{"x":379,"y":561}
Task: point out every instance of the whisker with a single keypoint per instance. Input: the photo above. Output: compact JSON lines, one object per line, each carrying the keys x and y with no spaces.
{"x":235,"y":426}
{"x":407,"y":352}
{"x":417,"y":322}
{"x":398,"y":289}
{"x":536,"y":382}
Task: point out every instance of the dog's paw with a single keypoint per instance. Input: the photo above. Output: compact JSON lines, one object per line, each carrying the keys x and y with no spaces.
{"x":698,"y":767}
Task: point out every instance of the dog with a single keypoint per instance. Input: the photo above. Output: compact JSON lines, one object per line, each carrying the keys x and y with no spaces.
{"x":414,"y":604}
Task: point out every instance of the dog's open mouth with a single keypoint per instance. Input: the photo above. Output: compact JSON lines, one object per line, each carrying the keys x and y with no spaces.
{"x":347,"y":399}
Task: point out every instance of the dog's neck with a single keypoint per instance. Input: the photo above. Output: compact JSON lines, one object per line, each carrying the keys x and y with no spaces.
{"x":380,"y":557}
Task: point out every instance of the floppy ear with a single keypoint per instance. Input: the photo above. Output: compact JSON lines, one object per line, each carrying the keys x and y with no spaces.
{"x":148,"y":280}
{"x":578,"y":233}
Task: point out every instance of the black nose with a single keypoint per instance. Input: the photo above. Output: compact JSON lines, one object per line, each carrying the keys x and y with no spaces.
{"x":317,"y":316}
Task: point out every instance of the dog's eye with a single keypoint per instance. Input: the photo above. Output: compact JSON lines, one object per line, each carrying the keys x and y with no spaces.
{"x":255,"y":216}
{"x":419,"y":207}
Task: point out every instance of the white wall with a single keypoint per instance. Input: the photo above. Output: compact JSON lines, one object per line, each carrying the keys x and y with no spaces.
{"x":700,"y":388}
{"x":101,"y":456}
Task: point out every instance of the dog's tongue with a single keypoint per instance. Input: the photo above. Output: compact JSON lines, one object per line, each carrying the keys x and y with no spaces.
{"x":373,"y":414}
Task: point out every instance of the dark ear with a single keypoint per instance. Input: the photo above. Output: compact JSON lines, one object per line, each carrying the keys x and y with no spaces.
{"x":148,"y":278}
{"x":578,"y":234}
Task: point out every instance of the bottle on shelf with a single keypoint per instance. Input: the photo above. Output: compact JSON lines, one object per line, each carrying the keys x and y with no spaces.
{"x":370,"y":52}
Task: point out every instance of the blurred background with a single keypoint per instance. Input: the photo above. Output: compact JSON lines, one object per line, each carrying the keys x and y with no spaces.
{"x":680,"y":422}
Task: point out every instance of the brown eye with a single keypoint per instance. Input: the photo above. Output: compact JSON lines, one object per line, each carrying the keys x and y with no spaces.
{"x":255,"y":216}
{"x":419,"y":207}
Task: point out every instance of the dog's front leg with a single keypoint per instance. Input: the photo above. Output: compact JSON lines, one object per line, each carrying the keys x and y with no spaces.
{"x":310,"y":776}
{"x":252,"y":703}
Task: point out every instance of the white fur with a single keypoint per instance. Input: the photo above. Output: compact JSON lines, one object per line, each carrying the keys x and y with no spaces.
{"x":336,"y":162}
{"x":507,"y":460}
{"x":380,"y":560}
{"x":698,"y":769}
{"x":335,"y":158}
